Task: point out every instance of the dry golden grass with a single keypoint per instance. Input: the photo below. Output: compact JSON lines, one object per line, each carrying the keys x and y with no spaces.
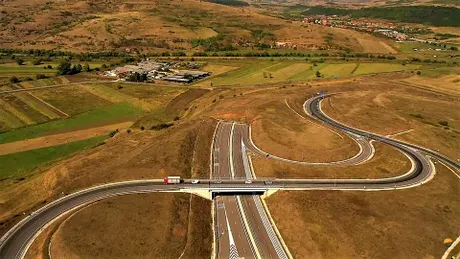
{"x":132,"y":226}
{"x":138,"y":155}
{"x":410,"y":223}
{"x":403,"y":108}
{"x":199,"y":235}
{"x":156,"y":25}
{"x":446,"y":83}
{"x":280,"y":131}
{"x":374,"y":103}
{"x":157,"y":225}
{"x":387,"y":162}
{"x":365,"y":42}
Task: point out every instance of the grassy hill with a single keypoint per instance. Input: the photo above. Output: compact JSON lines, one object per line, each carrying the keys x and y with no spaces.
{"x":160,"y":25}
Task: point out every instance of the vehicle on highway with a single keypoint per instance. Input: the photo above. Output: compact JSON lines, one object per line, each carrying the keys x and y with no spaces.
{"x":268,"y":182}
{"x":195,"y":181}
{"x":248,"y":181}
{"x":172,"y":180}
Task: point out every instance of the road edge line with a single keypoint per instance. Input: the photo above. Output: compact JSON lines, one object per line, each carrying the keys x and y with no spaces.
{"x":247,"y":227}
{"x":272,"y":222}
{"x":451,"y":248}
{"x":65,"y":220}
{"x":232,"y":170}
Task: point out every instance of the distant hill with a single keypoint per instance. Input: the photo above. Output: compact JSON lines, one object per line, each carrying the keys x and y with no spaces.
{"x":364,"y":3}
{"x":432,"y":15}
{"x":162,"y":26}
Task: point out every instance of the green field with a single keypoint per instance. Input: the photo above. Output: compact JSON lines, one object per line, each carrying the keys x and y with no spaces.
{"x":34,"y":103}
{"x":21,"y":110}
{"x":18,"y":164}
{"x":97,"y":117}
{"x":8,"y":120}
{"x":72,"y":99}
{"x":13,"y":70}
{"x":7,"y":70}
{"x":439,"y":71}
{"x":251,"y":72}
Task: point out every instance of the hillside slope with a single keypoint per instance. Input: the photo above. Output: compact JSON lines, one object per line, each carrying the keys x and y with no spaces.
{"x":160,"y":25}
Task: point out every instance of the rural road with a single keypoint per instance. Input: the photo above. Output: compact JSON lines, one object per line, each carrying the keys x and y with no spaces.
{"x":242,"y":226}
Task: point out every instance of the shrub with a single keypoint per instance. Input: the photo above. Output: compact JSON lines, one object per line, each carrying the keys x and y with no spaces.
{"x":419,"y":73}
{"x":162,"y":126}
{"x":444,"y":123}
{"x":37,"y":62}
{"x":20,"y":61}
{"x":418,"y":116}
{"x":14,"y":80}
{"x":41,"y":76}
{"x":113,"y":133}
{"x":176,"y":118}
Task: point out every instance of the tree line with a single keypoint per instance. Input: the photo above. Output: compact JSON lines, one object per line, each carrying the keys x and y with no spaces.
{"x":433,"y":15}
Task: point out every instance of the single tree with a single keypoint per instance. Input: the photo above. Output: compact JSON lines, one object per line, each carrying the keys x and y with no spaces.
{"x":64,"y":67}
{"x":20,"y":61}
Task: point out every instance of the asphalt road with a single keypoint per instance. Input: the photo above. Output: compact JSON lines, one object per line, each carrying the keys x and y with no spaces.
{"x":243,"y":214}
{"x":243,"y":228}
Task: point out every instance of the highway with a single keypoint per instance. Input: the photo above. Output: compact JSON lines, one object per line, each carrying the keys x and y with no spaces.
{"x":242,"y":227}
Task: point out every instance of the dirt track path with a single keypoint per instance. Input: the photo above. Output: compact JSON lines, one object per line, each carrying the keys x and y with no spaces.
{"x":58,"y":139}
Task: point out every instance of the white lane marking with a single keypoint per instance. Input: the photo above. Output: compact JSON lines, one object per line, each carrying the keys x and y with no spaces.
{"x":269,"y":229}
{"x":232,"y":170}
{"x":244,"y":155}
{"x":247,"y":229}
{"x":272,"y":222}
{"x":233,"y":250}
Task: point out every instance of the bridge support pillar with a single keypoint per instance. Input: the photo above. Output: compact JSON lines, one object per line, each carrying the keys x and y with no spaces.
{"x":202,"y":193}
{"x":268,"y":193}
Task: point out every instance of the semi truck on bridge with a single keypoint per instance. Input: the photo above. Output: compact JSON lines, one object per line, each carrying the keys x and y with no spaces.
{"x":172,"y":180}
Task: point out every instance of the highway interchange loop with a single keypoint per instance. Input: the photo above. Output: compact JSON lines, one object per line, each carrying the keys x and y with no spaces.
{"x":15,"y":243}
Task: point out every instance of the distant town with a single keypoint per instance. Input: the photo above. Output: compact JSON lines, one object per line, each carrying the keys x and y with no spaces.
{"x":387,"y":29}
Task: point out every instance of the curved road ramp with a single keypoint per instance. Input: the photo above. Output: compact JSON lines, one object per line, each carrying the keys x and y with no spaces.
{"x":243,"y":226}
